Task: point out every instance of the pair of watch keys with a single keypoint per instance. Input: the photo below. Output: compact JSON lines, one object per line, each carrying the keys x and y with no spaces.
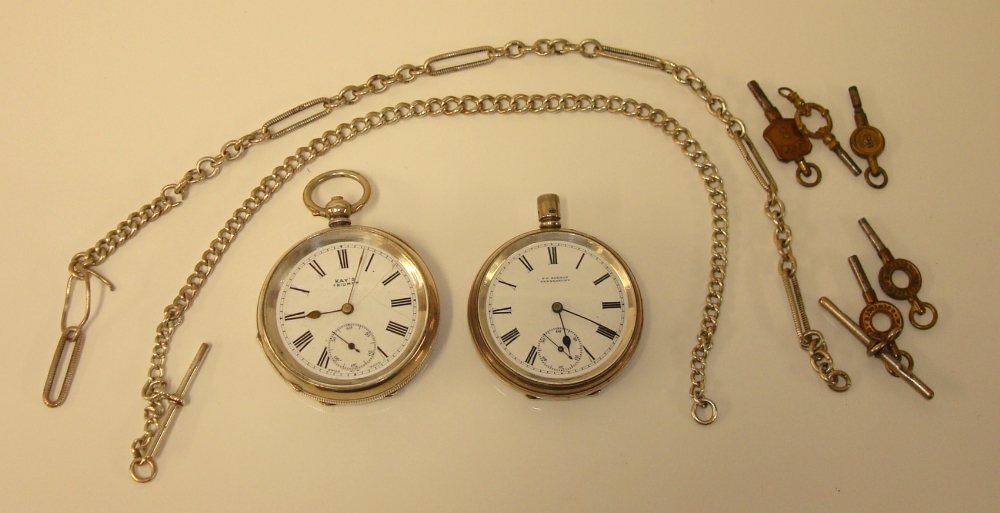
{"x":350,"y":313}
{"x":789,"y":138}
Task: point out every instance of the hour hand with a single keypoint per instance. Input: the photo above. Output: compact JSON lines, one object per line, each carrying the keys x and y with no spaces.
{"x":316,"y":313}
{"x":557,"y":307}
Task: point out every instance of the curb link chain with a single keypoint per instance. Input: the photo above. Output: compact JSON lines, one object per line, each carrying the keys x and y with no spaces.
{"x":155,"y":389}
{"x":173,"y":195}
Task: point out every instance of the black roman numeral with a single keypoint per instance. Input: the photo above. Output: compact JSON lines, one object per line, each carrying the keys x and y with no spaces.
{"x":296,"y":315}
{"x":403,"y":301}
{"x":580,"y":261}
{"x":342,"y":255}
{"x":395,"y":327}
{"x":510,"y":336}
{"x":369,"y":261}
{"x":611,"y":304}
{"x":527,"y":264}
{"x":553,"y":257}
{"x":532,"y":354}
{"x":324,"y":359}
{"x":504,"y":310}
{"x":602,"y":278}
{"x":511,"y":285}
{"x":606,"y":331}
{"x":303,"y":340}
{"x":381,"y":351}
{"x":391,"y":277}
{"x":588,"y":352}
{"x":319,"y":270}
{"x":300,"y":290}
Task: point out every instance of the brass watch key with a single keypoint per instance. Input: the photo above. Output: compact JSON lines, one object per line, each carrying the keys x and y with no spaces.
{"x":909,"y":292}
{"x":874,"y":307}
{"x":868,"y":142}
{"x":786,"y":140}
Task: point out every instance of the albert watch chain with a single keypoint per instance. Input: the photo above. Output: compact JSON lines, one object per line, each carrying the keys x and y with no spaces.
{"x":162,"y":404}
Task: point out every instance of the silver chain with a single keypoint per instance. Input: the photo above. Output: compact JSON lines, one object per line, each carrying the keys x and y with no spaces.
{"x":155,"y":389}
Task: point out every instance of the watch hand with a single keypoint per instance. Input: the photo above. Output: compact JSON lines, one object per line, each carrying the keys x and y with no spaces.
{"x":559,"y":347}
{"x":316,"y":313}
{"x":351,"y":294}
{"x":350,"y":345}
{"x":557,"y":307}
{"x":580,"y":316}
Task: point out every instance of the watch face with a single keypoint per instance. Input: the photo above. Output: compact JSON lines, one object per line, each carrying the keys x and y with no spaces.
{"x":556,"y":313}
{"x":348,"y":310}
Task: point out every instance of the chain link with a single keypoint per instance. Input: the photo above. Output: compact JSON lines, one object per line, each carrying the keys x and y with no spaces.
{"x":172,"y":195}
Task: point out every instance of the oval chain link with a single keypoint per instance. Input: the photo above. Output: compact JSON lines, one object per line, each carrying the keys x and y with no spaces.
{"x":173,"y":195}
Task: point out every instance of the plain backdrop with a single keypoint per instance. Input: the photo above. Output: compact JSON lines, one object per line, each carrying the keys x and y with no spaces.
{"x":102,"y":104}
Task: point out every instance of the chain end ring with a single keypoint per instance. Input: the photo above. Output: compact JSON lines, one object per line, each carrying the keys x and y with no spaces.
{"x":700,"y":404}
{"x":137,"y":464}
{"x":834,"y":378}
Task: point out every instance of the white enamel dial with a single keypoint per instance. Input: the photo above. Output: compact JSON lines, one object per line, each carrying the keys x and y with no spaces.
{"x":555,"y":313}
{"x":346,"y":310}
{"x":546,"y":288}
{"x":348,"y":315}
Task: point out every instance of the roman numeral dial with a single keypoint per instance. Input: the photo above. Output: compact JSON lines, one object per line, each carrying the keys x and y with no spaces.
{"x":349,"y":310}
{"x":556,"y":310}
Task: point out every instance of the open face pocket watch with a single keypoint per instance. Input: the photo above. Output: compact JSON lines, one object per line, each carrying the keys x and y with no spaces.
{"x":348,"y":314}
{"x":555,"y":313}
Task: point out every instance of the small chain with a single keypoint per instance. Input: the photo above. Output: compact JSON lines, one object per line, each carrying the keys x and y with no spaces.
{"x":172,"y":195}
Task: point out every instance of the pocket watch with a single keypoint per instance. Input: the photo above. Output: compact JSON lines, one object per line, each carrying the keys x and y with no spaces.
{"x":348,"y":314}
{"x":555,"y":313}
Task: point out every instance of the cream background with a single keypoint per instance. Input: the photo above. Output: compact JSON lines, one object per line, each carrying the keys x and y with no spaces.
{"x":103,"y":104}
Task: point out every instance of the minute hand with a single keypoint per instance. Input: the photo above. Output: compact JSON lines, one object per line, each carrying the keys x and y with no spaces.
{"x":602,"y":329}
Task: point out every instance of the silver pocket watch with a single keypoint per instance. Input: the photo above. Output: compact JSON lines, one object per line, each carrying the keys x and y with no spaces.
{"x":555,"y":313}
{"x":348,"y":314}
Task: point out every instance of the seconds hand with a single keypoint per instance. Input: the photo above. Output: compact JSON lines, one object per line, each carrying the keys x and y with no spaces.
{"x":350,"y":345}
{"x":560,"y":348}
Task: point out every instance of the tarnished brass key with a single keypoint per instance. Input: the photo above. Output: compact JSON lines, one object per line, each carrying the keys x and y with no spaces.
{"x":875,"y":307}
{"x":890,"y":265}
{"x":868,"y":142}
{"x":882,"y":340}
{"x":825,"y":133}
{"x":786,"y":140}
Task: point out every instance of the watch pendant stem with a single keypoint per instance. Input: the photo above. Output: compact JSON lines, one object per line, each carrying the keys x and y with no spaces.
{"x":548,"y":211}
{"x":338,"y":211}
